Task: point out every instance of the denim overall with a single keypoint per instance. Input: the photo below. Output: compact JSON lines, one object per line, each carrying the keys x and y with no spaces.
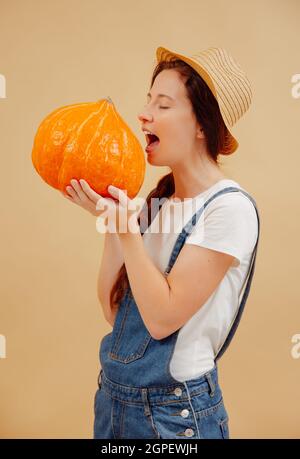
{"x":137,"y":397}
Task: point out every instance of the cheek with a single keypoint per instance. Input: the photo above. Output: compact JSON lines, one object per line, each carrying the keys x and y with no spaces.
{"x":177,"y":134}
{"x":178,"y":129}
{"x":179,"y":142}
{"x":172,"y":134}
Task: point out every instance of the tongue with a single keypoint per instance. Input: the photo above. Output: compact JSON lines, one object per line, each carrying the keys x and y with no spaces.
{"x":152,"y":145}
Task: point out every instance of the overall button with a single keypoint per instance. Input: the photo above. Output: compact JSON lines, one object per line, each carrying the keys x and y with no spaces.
{"x":189,"y":432}
{"x":185,"y":413}
{"x":178,"y":391}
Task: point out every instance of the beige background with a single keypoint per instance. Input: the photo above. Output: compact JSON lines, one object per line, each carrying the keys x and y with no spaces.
{"x":55,"y":53}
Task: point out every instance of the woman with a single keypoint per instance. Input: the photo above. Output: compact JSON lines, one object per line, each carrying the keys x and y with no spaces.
{"x":174,"y":305}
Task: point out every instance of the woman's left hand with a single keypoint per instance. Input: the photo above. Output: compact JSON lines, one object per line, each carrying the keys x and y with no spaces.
{"x":126,"y":214}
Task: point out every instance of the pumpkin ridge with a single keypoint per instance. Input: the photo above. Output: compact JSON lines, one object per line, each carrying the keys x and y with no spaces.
{"x":95,"y":133}
{"x":42,"y":132}
{"x":65,"y":111}
{"x":75,"y":132}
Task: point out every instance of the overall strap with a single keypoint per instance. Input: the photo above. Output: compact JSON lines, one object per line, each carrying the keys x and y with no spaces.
{"x":187,"y":229}
{"x":151,"y":212}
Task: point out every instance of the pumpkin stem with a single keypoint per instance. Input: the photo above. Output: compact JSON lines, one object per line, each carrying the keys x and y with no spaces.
{"x":109,"y":99}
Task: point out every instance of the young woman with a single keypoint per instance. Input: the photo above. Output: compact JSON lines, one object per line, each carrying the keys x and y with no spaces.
{"x":174,"y":290}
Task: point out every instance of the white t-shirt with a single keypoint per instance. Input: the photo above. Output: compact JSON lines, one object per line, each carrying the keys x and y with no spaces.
{"x":228,"y":224}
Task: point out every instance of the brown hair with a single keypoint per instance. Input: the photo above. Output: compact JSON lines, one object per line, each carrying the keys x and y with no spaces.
{"x":218,"y":141}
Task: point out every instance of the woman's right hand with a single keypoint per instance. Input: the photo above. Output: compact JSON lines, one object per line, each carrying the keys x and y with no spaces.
{"x":84,"y":196}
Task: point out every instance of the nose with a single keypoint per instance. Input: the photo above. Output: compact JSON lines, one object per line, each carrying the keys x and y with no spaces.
{"x":144,"y":115}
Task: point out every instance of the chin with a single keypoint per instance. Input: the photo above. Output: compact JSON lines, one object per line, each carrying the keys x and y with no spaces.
{"x":155,"y":160}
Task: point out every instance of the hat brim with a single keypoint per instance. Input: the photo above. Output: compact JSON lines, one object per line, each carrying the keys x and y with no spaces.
{"x":164,"y":54}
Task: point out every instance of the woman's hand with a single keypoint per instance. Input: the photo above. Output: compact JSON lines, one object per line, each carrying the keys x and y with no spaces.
{"x":126,"y":212}
{"x":84,"y":196}
{"x":120,"y":212}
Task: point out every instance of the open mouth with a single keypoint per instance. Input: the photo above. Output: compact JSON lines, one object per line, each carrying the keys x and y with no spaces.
{"x":151,"y":138}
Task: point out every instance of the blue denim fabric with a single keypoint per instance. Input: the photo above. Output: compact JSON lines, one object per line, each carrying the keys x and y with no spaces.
{"x":137,"y":395}
{"x":192,"y":409}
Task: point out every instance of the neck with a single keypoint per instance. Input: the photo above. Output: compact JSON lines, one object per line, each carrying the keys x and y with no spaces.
{"x":190,"y":180}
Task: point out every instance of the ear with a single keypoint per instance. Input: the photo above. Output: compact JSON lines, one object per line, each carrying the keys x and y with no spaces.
{"x":200,"y":133}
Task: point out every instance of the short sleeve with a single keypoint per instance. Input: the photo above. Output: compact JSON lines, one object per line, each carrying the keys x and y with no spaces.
{"x":228,"y":224}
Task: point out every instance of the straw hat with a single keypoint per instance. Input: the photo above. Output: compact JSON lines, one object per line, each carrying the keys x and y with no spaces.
{"x":225,"y":79}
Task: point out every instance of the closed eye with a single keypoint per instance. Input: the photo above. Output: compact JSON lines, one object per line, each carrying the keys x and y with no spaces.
{"x":164,"y":107}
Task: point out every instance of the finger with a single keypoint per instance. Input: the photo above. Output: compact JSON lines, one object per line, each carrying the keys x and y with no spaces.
{"x":66,"y":196}
{"x":72,"y":195}
{"x":120,"y":194}
{"x":71,"y":192}
{"x":77,"y":187}
{"x":93,"y":196}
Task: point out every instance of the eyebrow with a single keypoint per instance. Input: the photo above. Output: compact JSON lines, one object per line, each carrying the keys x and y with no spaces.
{"x":160,"y":95}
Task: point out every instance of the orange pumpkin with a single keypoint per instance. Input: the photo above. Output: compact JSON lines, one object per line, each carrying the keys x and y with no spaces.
{"x":90,"y":141}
